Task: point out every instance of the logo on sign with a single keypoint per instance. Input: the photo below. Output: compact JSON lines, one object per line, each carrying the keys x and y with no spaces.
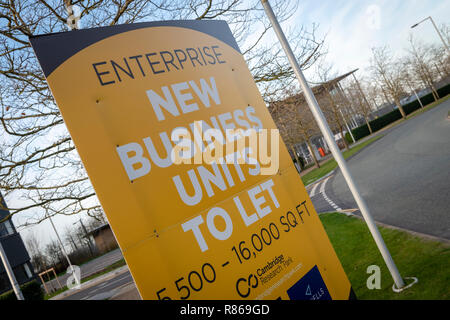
{"x":310,"y":287}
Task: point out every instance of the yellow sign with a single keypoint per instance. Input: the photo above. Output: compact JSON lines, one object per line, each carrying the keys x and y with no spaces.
{"x":189,"y":228}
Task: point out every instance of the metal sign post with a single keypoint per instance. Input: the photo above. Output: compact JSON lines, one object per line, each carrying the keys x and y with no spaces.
{"x":326,"y":131}
{"x":64,"y":252}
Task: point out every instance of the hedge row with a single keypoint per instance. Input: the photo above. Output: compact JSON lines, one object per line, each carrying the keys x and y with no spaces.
{"x":395,"y":115}
{"x":31,"y":291}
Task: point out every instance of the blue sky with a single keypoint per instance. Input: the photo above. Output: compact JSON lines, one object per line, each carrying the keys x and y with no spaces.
{"x":353,"y":27}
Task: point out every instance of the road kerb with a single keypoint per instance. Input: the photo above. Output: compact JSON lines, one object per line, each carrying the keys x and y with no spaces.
{"x":127,"y":291}
{"x":322,"y":178}
{"x":350,"y":213}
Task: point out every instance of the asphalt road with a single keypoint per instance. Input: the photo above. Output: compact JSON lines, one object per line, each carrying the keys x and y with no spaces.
{"x":91,"y":267}
{"x":404,"y":176}
{"x":103,"y":290}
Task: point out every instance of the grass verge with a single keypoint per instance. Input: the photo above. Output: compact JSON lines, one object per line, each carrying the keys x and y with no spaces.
{"x":424,"y":259}
{"x":110,"y":268}
{"x":331,"y":164}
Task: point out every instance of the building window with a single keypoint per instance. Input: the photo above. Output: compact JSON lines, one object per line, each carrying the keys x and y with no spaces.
{"x":3,"y":231}
{"x":9,"y":227}
{"x":6,"y":228}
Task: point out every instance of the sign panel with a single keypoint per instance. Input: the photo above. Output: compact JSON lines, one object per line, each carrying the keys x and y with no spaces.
{"x":151,"y":108}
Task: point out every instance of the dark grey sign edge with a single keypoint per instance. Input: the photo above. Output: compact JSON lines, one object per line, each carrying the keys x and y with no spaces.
{"x":55,"y":48}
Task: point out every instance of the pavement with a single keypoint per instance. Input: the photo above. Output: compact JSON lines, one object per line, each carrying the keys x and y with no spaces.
{"x":404,"y":176}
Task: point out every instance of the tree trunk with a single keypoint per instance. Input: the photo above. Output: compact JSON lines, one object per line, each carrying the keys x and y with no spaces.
{"x":434,"y":91}
{"x":336,"y":116}
{"x":400,"y":108}
{"x":343,"y":137}
{"x":368,"y":124}
{"x":375,"y":104}
{"x":296,"y":157}
{"x":385,"y":96}
{"x":340,"y":127}
{"x":308,"y":143}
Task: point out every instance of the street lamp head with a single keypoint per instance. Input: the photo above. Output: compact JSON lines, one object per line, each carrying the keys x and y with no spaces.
{"x":414,"y":25}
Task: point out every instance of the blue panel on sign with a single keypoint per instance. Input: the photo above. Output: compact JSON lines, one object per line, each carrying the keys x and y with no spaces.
{"x":310,"y":287}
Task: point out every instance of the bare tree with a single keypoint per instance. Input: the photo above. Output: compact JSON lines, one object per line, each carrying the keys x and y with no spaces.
{"x":412,"y":83}
{"x":71,"y":238}
{"x":360,"y":102}
{"x":441,"y":60}
{"x":295,"y":121}
{"x":283,"y":114}
{"x":81,"y":233}
{"x":373,"y":94}
{"x":387,"y":73}
{"x":93,"y":223}
{"x":38,"y":160}
{"x":306,"y":123}
{"x":421,"y":65}
{"x":54,"y":253}
{"x":36,"y":251}
{"x":332,"y":109}
{"x":444,"y":29}
{"x":348,"y":107}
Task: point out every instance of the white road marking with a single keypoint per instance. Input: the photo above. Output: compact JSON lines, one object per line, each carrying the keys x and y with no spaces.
{"x":322,"y":187}
{"x":313,"y":190}
{"x":100,"y":287}
{"x":330,"y":202}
